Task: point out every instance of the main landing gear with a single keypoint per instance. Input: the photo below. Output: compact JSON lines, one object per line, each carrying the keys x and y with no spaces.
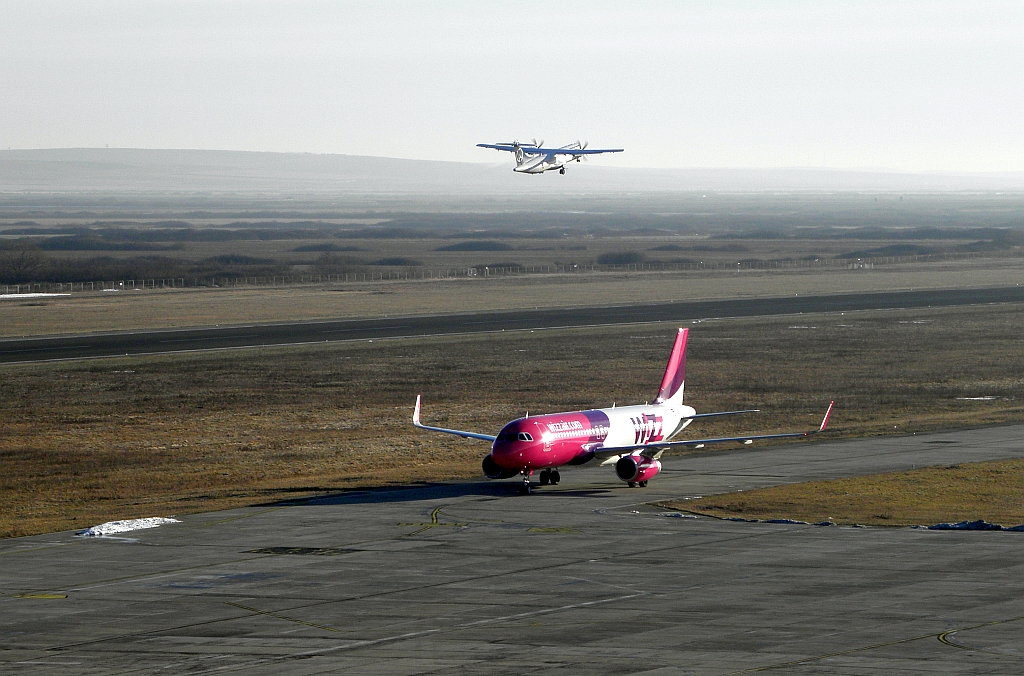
{"x":634,"y":484}
{"x":547,"y":476}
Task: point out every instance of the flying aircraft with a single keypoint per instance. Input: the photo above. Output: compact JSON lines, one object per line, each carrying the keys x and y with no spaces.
{"x":630,"y":437}
{"x":533,"y":158}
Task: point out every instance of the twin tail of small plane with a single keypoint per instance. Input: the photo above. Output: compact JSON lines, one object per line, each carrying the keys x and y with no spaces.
{"x":632,"y":438}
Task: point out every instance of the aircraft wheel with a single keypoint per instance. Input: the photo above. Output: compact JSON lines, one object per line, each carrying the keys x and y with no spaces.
{"x":562,"y":171}
{"x":545,"y":477}
{"x":643,"y":484}
{"x":555,"y":477}
{"x":524,"y":489}
{"x":631,"y":484}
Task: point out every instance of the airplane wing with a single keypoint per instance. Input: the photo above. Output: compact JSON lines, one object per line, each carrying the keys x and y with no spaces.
{"x":718,"y":413}
{"x":536,"y":150}
{"x":460,"y":433}
{"x":500,"y":146}
{"x":577,"y":151}
{"x":657,"y":448}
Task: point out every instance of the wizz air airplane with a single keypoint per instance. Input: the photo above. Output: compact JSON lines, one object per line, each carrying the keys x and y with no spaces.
{"x":630,"y":437}
{"x":532,"y":158}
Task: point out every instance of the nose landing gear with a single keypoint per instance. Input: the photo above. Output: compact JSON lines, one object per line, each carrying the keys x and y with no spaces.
{"x":561,"y":170}
{"x":547,"y":477}
{"x":526,"y":488}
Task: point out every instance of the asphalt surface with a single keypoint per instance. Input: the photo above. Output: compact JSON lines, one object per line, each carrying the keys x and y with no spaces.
{"x":181,"y":340}
{"x":582,"y":578}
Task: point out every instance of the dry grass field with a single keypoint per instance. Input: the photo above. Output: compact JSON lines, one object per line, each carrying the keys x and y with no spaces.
{"x":85,"y":442}
{"x":987,"y":490}
{"x":84,"y":312}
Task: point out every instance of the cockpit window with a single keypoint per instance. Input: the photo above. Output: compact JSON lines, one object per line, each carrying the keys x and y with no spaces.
{"x":525,"y":436}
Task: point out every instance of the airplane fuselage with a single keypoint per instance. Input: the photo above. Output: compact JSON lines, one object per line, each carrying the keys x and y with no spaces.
{"x":538,"y":164}
{"x":547,"y":441}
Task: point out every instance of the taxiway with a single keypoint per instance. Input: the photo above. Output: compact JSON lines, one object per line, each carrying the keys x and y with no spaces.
{"x":586,"y":577}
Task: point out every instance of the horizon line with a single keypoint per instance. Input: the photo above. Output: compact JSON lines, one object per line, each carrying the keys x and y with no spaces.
{"x":859,"y":170}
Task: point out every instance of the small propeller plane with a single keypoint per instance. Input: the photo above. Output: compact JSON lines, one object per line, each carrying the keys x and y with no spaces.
{"x":533,"y":158}
{"x":630,"y":437}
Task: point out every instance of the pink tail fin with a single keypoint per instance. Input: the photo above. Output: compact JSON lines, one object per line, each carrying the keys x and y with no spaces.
{"x":675,"y":371}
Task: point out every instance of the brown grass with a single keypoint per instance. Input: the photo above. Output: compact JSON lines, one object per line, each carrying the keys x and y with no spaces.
{"x":968,"y":492}
{"x":85,"y":442}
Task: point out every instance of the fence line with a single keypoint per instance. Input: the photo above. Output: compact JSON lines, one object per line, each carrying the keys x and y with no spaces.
{"x":453,"y":273}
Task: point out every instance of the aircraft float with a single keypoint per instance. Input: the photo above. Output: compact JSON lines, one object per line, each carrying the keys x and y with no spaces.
{"x":533,"y":158}
{"x":630,"y":437}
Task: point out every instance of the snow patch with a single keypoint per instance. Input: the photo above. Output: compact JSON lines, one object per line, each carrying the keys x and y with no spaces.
{"x":7,"y":296}
{"x":112,"y":527}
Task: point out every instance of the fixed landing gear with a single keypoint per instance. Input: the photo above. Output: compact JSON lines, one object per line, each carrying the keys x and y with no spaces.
{"x":549,"y":476}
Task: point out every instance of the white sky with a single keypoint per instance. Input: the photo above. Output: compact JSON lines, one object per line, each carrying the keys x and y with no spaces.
{"x":916,"y":85}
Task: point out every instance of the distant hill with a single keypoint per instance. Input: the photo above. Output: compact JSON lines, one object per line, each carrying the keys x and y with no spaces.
{"x":218,"y":171}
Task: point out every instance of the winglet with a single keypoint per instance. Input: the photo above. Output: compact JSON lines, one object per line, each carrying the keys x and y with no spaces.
{"x":828,"y":414}
{"x":416,"y":412}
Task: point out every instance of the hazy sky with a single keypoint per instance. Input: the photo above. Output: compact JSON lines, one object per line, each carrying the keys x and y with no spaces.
{"x":917,"y":85}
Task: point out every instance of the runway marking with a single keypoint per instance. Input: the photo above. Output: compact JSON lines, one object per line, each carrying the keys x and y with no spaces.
{"x":33,"y":549}
{"x":398,"y":637}
{"x":942,"y":636}
{"x":156,"y":576}
{"x":40,"y":596}
{"x":283,"y":617}
{"x":547,"y":611}
{"x":433,"y":522}
{"x":242,"y":516}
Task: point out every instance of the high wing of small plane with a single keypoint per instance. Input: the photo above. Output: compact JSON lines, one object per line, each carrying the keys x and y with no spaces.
{"x":534,"y":158}
{"x":630,"y":437}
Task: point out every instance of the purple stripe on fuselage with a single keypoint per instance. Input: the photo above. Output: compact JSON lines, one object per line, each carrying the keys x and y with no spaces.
{"x":599,"y":424}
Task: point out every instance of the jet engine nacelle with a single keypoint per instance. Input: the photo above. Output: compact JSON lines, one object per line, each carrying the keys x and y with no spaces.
{"x":634,"y":468}
{"x":492,"y":470}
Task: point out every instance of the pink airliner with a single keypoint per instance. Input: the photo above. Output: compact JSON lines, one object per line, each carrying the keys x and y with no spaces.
{"x":630,"y":437}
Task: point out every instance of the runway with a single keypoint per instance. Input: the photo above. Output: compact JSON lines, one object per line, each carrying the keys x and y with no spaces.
{"x":582,"y":578}
{"x":223,"y":337}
